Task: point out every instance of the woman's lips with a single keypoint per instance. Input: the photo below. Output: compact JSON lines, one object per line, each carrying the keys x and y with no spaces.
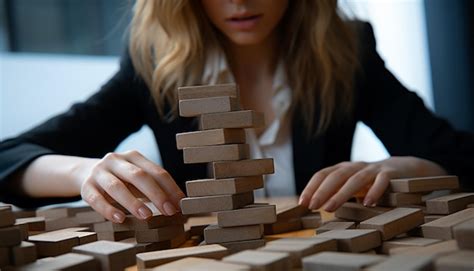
{"x":244,"y":22}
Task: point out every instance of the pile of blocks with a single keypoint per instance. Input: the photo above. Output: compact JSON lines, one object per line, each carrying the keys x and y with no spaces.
{"x":222,"y":142}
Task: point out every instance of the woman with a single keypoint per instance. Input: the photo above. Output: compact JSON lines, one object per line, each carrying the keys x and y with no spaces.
{"x":313,"y":74}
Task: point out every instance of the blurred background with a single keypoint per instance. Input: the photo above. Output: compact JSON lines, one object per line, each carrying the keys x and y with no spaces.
{"x":57,"y":52}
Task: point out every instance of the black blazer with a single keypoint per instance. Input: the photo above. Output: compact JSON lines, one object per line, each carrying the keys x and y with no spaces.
{"x":94,"y":127}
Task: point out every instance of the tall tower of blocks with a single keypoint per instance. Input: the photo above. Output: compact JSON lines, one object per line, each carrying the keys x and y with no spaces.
{"x":221,"y":141}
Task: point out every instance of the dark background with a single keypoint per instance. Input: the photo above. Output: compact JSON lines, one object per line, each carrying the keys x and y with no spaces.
{"x":96,"y":27}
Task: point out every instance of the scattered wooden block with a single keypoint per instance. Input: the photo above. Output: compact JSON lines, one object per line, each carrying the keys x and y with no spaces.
{"x":111,"y":255}
{"x":53,"y":213}
{"x":437,"y":249}
{"x":407,"y":242}
{"x":449,"y":204}
{"x":357,"y":212}
{"x":235,"y":119}
{"x":159,"y":234}
{"x":23,"y":254}
{"x":60,"y":223}
{"x":65,"y":262}
{"x":238,"y":246}
{"x":112,"y":227}
{"x":200,"y":264}
{"x":145,"y":247}
{"x":406,"y":263}
{"x":198,"y":92}
{"x":89,"y":218}
{"x":115,"y":236}
{"x":311,"y":221}
{"x":394,"y":222}
{"x":4,"y":256}
{"x":210,"y":138}
{"x":207,"y":154}
{"x":215,"y":203}
{"x":359,"y":240}
{"x":213,"y":234}
{"x":429,"y":218}
{"x":24,"y":231}
{"x":155,"y":258}
{"x":400,"y":199}
{"x":278,"y":227}
{"x":442,"y":228}
{"x":156,"y":221}
{"x":6,"y":216}
{"x":33,"y":223}
{"x":470,"y":206}
{"x":290,"y":211}
{"x":261,"y":260}
{"x":459,"y":260}
{"x":424,"y":184}
{"x":197,"y":107}
{"x":212,"y":187}
{"x":10,"y":236}
{"x":247,"y":216}
{"x":340,"y":261}
{"x":243,"y":168}
{"x":319,"y":244}
{"x":464,"y":234}
{"x":54,"y":244}
{"x":86,"y":237}
{"x":335,"y":226}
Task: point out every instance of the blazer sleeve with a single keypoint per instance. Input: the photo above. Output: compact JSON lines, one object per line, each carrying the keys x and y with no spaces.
{"x":402,"y":122}
{"x":88,"y":129}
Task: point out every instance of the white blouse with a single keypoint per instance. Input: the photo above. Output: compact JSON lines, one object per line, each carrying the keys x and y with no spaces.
{"x":276,"y":141}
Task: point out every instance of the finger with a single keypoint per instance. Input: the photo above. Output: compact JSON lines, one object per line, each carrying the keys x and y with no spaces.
{"x":97,"y":201}
{"x":117,"y":190}
{"x":129,"y":172}
{"x":333,"y":182}
{"x":353,"y":185}
{"x":378,"y":188}
{"x":159,"y":174}
{"x":313,"y":184}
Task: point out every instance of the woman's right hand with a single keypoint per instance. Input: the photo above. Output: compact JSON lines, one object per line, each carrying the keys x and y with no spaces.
{"x":118,"y":176}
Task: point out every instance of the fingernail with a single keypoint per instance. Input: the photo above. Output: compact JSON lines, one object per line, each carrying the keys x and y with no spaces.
{"x":144,"y":212}
{"x":314,"y":204}
{"x":169,"y":208}
{"x":330,"y":206}
{"x":368,"y":202}
{"x":302,"y":199}
{"x":118,"y":217}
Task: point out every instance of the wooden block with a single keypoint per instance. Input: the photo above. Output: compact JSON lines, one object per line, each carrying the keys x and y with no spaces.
{"x":145,"y":247}
{"x":424,"y":184}
{"x":357,"y":212}
{"x":23,"y":254}
{"x":66,"y":262}
{"x":289,"y":211}
{"x":407,"y":242}
{"x":340,"y":261}
{"x":311,"y":221}
{"x":54,"y":244}
{"x":159,"y":234}
{"x":115,"y":236}
{"x":459,"y":260}
{"x":207,"y":154}
{"x":86,"y":237}
{"x":319,"y":244}
{"x":335,"y":226}
{"x":196,"y":107}
{"x":113,"y":227}
{"x":261,"y":260}
{"x":243,"y":168}
{"x":10,"y":236}
{"x":436,"y":249}
{"x":23,"y":231}
{"x":210,"y":138}
{"x":197,"y":92}
{"x":235,"y":119}
{"x":238,"y":246}
{"x":470,"y":206}
{"x":283,"y":226}
{"x":155,"y":258}
{"x":60,"y":223}
{"x":449,"y":204}
{"x":406,"y":263}
{"x":247,"y":216}
{"x":111,"y":255}
{"x":213,"y":234}
{"x":56,"y":213}
{"x":199,"y":264}
{"x":89,"y":218}
{"x":33,"y":223}
{"x":157,"y":220}
{"x":394,"y":222}
{"x":429,"y":218}
{"x":400,"y":199}
{"x":7,"y":217}
{"x":442,"y":228}
{"x":215,"y":203}
{"x":464,"y":234}
{"x":4,"y":256}
{"x":213,"y":187}
{"x":359,"y":240}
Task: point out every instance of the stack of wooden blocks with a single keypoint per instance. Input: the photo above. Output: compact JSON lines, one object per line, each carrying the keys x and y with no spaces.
{"x":222,"y":142}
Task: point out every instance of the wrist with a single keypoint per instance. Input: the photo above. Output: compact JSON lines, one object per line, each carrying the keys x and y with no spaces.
{"x":81,"y":171}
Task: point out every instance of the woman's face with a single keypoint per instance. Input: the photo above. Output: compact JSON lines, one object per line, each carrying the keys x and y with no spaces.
{"x":245,"y":22}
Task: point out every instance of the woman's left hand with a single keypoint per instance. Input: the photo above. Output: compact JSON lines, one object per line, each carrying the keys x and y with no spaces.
{"x":332,"y":186}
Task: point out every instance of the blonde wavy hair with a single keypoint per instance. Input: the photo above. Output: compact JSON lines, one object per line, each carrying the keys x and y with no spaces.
{"x":169,"y":40}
